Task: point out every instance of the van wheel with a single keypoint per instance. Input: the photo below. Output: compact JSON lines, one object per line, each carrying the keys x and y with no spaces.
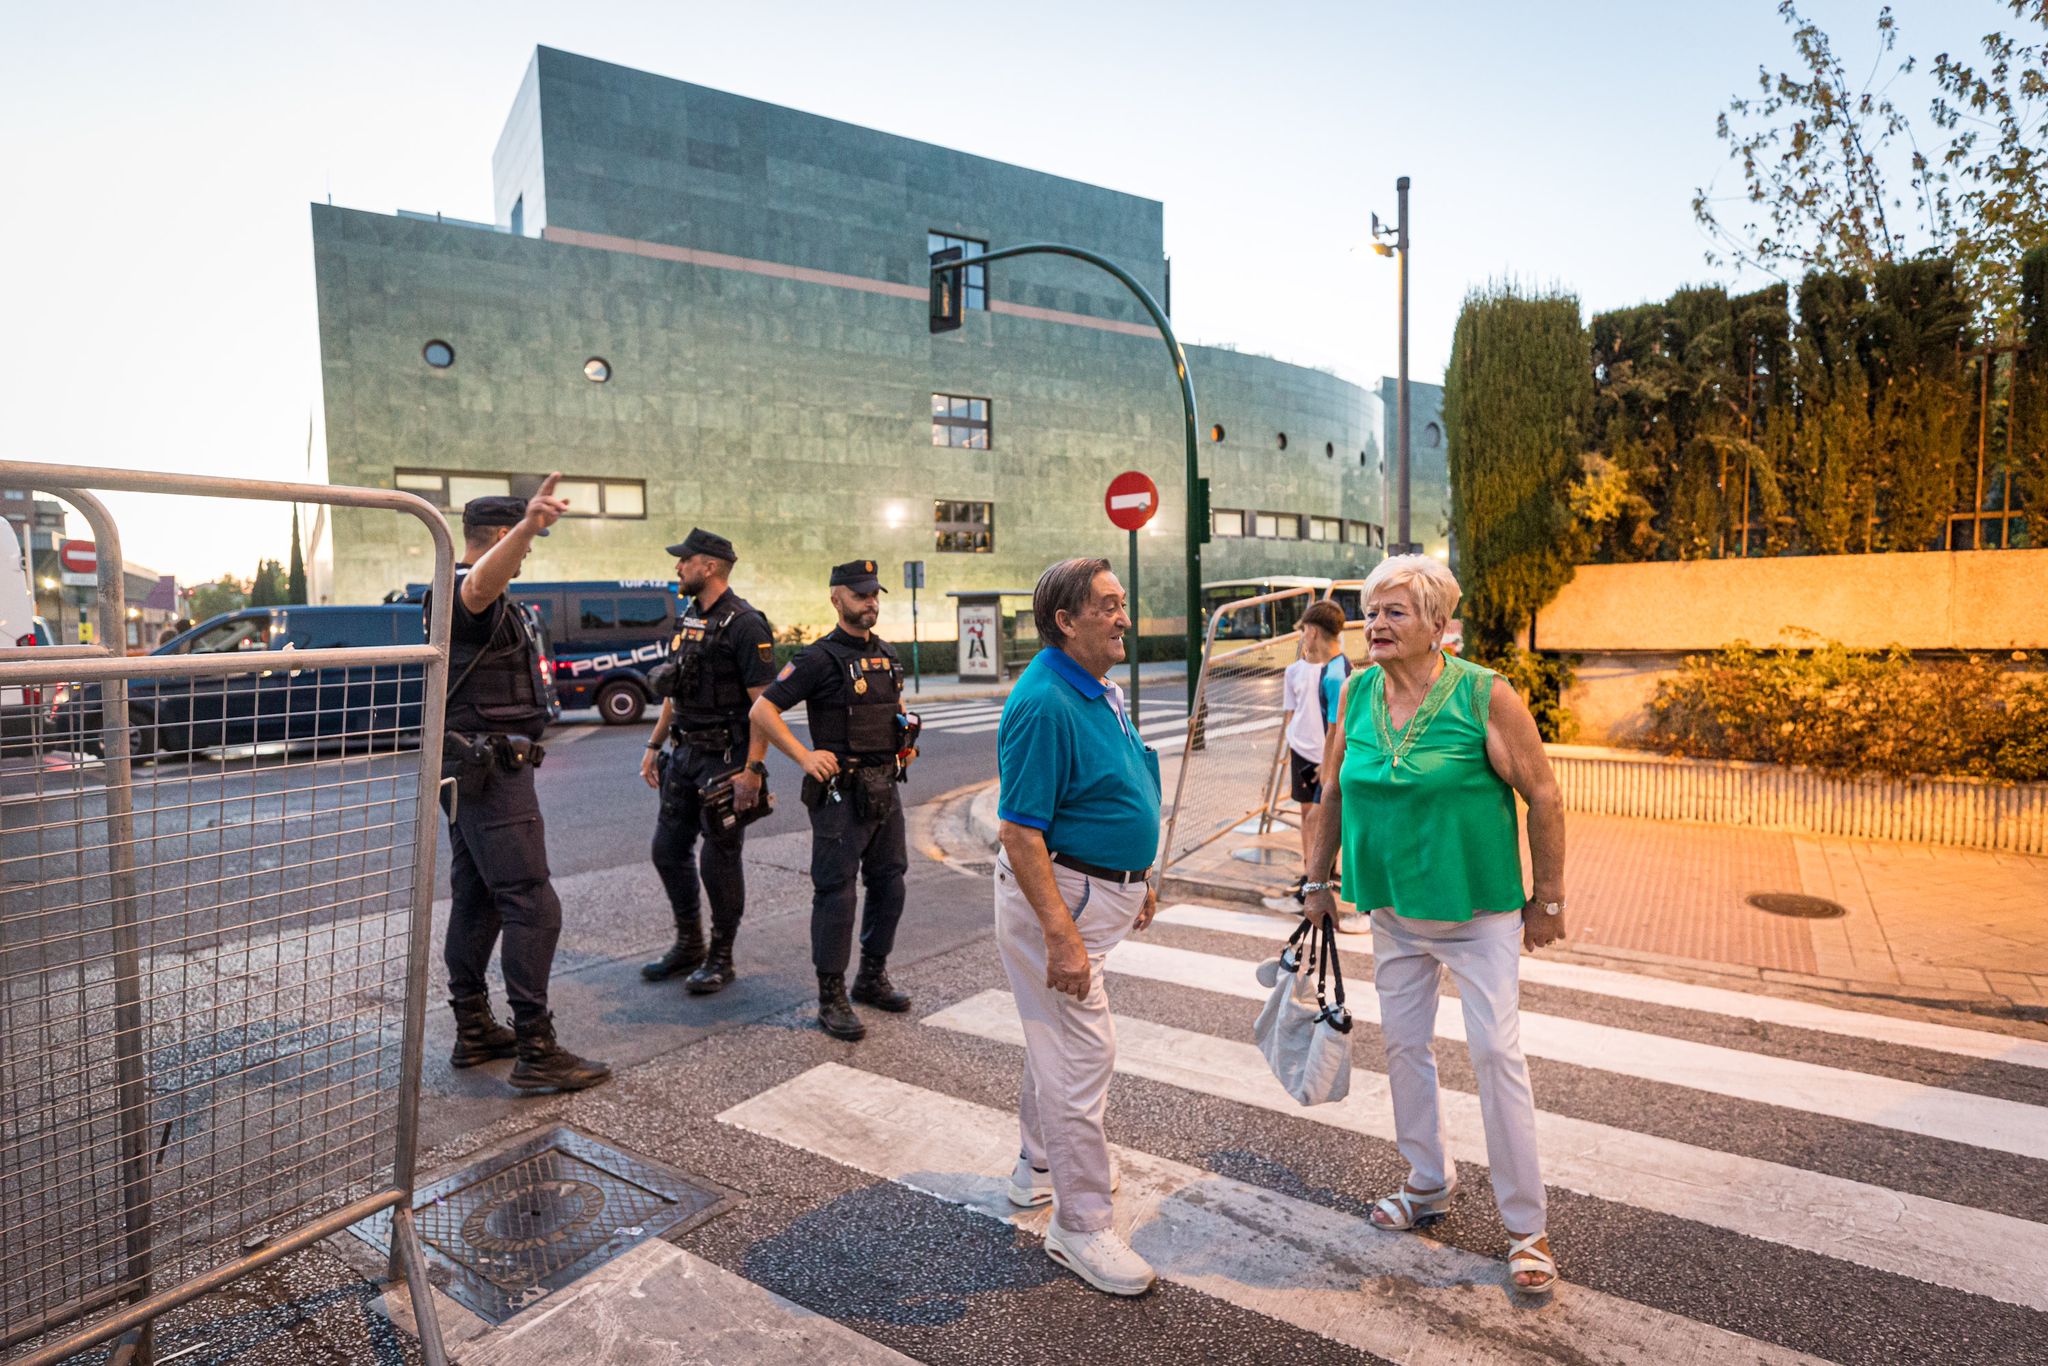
{"x":620,"y":704}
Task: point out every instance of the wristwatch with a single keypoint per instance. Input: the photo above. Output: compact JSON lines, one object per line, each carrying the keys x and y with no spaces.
{"x":756,"y":766}
{"x":1553,"y":908}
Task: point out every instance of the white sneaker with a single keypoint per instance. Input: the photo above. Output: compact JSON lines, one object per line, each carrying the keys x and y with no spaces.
{"x":1030,"y":1187}
{"x":1100,"y":1258}
{"x":1358,"y":922}
{"x":1288,"y":905}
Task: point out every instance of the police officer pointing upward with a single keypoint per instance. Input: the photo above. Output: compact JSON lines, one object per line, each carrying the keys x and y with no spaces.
{"x":497,"y":707}
{"x":722,"y":656}
{"x":853,"y":684}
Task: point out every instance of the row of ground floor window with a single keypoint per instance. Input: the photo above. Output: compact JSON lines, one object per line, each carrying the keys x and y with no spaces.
{"x":958,"y":525}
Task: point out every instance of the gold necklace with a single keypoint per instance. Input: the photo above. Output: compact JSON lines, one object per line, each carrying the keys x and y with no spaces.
{"x":1432,"y":702}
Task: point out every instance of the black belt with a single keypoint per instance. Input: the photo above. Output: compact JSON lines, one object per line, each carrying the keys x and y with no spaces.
{"x":1116,"y":875}
{"x":706,"y":737}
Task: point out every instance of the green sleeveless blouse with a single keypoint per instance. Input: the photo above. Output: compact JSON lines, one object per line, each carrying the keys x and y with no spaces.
{"x":1429,"y":827}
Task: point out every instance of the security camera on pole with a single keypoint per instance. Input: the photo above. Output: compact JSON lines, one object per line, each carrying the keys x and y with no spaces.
{"x":1130,"y":503}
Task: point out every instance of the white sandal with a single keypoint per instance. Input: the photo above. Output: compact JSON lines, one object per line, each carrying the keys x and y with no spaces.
{"x":1406,"y":1209}
{"x":1524,"y":1255}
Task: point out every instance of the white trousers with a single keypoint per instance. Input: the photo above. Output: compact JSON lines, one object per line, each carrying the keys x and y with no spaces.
{"x":1069,"y":1045}
{"x":1484,"y":955}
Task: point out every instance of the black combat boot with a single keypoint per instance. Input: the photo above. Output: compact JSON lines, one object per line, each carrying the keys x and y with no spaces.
{"x":545,"y":1065}
{"x":717,"y":973}
{"x":873,"y":987}
{"x":478,"y":1035}
{"x":683,"y":956}
{"x":835,"y":1012}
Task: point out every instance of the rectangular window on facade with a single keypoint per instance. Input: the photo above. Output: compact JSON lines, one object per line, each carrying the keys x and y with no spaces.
{"x":968,"y":528}
{"x":1325,"y":529}
{"x":960,"y":421}
{"x":1284,"y":526}
{"x":450,"y":489}
{"x":974,"y":290}
{"x":597,"y":614}
{"x":1226,"y":522}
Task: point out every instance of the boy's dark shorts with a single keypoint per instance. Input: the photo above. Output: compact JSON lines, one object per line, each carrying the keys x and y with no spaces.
{"x":1306,"y":777}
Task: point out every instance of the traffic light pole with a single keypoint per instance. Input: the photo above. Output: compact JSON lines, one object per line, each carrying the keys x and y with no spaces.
{"x":1197,"y":502}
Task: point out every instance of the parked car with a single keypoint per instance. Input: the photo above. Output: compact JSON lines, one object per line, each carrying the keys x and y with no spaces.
{"x":274,"y":701}
{"x":605,"y":633}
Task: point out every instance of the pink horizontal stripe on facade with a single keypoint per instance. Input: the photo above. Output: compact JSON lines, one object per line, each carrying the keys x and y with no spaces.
{"x":690,"y":256}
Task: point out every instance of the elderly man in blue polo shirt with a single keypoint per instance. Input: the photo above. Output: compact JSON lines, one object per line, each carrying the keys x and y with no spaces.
{"x":1080,"y":826}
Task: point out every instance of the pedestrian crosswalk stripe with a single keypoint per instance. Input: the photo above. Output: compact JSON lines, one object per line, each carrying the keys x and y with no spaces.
{"x":1930,"y":1240}
{"x":1862,"y":1097}
{"x":1857,"y":1024}
{"x":1174,"y":742}
{"x":1399,"y":1296}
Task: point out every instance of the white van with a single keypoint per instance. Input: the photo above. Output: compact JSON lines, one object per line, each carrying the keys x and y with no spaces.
{"x":17,"y":598}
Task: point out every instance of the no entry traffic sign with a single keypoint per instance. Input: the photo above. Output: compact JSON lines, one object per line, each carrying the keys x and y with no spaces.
{"x":78,"y":557}
{"x":1131,"y":500}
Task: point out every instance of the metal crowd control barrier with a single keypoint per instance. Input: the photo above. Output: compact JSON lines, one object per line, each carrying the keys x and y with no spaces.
{"x":216,"y":869}
{"x":1236,"y":743}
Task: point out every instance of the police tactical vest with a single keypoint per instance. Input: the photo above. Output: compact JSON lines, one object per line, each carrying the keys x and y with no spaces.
{"x":708,"y":687}
{"x":497,"y":685}
{"x":859,"y":716}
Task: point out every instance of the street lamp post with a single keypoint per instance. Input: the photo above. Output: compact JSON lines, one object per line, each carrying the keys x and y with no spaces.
{"x":1399,"y":247}
{"x":945,"y":315}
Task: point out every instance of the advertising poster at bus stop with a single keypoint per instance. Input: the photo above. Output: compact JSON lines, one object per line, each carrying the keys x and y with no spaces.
{"x":980,"y":652}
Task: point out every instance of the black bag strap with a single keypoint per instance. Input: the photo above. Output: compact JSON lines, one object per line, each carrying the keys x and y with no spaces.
{"x":1332,"y":1011}
{"x":1290,"y":957}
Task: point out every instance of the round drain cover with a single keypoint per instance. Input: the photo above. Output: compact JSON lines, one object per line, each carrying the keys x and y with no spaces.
{"x":1798,"y":905}
{"x":1265,"y":857}
{"x":533,"y":1215}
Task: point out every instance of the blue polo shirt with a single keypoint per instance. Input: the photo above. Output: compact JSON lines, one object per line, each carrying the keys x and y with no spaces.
{"x":1073,"y":767}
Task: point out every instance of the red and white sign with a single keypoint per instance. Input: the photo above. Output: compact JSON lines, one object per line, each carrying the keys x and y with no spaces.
{"x":1131,"y":500}
{"x":78,"y":557}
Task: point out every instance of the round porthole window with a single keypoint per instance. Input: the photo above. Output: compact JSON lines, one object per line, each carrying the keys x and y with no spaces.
{"x":1432,"y":436}
{"x":597,"y":370}
{"x":1329,"y":450}
{"x":1283,"y":441}
{"x":1216,"y":432}
{"x":438,"y":354}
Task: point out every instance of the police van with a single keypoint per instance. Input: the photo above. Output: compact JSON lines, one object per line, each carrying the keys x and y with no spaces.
{"x":606,"y":635}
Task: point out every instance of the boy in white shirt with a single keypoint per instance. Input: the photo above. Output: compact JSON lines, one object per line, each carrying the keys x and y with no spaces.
{"x":1309,"y":694}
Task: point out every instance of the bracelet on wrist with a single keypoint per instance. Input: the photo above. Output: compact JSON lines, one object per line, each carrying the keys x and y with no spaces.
{"x":654,"y":744}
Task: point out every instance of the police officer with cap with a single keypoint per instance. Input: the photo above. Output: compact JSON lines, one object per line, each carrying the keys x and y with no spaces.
{"x":498,"y":704}
{"x":852,"y":682}
{"x":722,"y":656}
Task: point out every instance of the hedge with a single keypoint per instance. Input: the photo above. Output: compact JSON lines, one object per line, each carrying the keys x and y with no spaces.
{"x":1850,"y":712}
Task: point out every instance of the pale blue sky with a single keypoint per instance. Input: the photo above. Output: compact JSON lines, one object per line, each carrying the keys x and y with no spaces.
{"x":158,"y":293}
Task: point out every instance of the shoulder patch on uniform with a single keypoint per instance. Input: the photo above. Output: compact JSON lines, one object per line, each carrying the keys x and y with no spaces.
{"x":767,"y":651}
{"x":787,"y":670}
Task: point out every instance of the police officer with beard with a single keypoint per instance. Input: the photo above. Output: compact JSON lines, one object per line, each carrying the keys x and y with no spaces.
{"x":722,"y":656}
{"x":852,"y":682}
{"x":498,"y":705}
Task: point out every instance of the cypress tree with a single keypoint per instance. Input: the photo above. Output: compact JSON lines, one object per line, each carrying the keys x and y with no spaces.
{"x":295,"y":581}
{"x":1517,"y":404}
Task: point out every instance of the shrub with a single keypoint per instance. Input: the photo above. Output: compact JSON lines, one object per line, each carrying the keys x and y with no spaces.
{"x":1541,"y":680}
{"x":1850,"y":712}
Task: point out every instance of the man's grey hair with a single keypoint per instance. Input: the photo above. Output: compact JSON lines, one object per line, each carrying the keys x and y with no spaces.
{"x":1064,"y":587}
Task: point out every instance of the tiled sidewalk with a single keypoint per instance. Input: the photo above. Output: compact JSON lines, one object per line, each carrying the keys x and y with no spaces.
{"x":1924,"y":921}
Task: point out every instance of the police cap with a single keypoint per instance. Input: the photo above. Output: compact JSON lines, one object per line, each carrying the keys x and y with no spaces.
{"x":496,"y":509}
{"x":859,"y":575}
{"x":702,"y":542}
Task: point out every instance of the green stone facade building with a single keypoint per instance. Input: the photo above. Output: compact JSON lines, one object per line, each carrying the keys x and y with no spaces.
{"x":712,"y":311}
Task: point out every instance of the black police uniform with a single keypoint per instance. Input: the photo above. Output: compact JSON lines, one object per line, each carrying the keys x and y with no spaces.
{"x":854,"y":692}
{"x":498,"y":705}
{"x":719,"y":652}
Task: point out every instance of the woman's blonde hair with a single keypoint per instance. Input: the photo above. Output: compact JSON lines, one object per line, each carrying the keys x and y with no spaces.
{"x":1429,"y":579}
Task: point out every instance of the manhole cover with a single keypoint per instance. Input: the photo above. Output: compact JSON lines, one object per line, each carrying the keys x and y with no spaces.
{"x":525,"y":1222}
{"x":1265,"y":857}
{"x":1798,"y":905}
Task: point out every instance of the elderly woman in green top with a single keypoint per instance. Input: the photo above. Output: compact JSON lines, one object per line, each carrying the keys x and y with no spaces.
{"x":1430,"y":751}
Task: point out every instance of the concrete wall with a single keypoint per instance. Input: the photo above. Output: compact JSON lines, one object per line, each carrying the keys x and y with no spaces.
{"x":755,"y":278}
{"x":1634,"y":623}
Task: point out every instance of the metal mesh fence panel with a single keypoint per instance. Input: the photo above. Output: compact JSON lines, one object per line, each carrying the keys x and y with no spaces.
{"x":1232,"y":761}
{"x":212,"y":868}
